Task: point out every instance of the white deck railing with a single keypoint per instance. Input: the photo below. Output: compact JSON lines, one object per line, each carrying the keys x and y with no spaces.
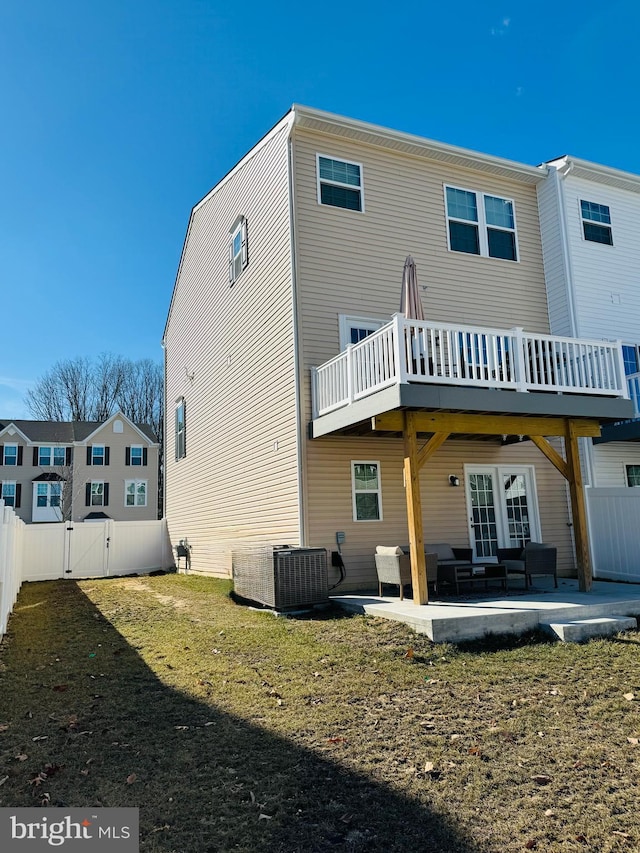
{"x":408,"y":350}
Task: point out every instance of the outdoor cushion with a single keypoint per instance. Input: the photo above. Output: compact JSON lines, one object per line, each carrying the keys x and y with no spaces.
{"x":442,"y":549}
{"x":389,"y":550}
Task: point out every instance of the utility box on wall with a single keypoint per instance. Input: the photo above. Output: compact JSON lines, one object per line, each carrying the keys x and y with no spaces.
{"x":281,"y":577}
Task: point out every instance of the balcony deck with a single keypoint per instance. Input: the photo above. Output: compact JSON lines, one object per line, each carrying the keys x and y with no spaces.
{"x":419,"y":364}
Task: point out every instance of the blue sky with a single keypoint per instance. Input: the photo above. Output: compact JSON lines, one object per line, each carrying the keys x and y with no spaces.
{"x":115,"y":118}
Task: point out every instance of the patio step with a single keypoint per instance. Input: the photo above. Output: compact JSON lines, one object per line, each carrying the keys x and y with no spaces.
{"x":579,"y":630}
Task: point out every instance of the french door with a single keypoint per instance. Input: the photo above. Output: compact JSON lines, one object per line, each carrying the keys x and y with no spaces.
{"x":502,"y":508}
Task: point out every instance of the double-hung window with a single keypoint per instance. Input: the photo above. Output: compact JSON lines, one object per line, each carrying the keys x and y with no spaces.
{"x":10,"y":493}
{"x":633,"y":475}
{"x":10,"y":454}
{"x":366,"y":491}
{"x":181,"y":429}
{"x":98,"y":454}
{"x":135,"y":493}
{"x":97,"y":493}
{"x":238,"y":249}
{"x":481,"y":224}
{"x":339,"y":183}
{"x":48,"y":495}
{"x":51,"y":456}
{"x":136,"y":455}
{"x":596,"y":222}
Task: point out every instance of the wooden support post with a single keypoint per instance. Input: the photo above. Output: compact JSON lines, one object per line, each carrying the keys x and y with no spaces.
{"x":414,"y":511}
{"x":578,"y":508}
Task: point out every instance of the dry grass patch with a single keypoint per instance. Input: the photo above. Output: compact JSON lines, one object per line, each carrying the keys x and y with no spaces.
{"x":233,"y":730}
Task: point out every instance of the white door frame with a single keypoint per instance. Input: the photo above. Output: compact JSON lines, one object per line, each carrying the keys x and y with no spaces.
{"x":502,"y":531}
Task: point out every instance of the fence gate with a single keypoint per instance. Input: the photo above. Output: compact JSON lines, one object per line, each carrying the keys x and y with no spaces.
{"x":94,"y":549}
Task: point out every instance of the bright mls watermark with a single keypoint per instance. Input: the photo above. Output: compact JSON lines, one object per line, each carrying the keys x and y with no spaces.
{"x":80,"y":830}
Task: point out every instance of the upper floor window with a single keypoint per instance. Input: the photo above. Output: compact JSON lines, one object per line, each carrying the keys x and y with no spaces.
{"x":481,"y":224}
{"x":366,"y":491}
{"x":136,"y":455}
{"x":238,"y":249}
{"x":135,"y":493}
{"x":97,"y":454}
{"x":10,"y":455}
{"x":596,"y":222}
{"x":181,"y":429}
{"x":339,"y":183}
{"x":51,"y":456}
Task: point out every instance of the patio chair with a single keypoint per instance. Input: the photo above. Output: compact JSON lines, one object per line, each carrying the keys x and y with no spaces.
{"x":535,"y":558}
{"x":393,"y":566}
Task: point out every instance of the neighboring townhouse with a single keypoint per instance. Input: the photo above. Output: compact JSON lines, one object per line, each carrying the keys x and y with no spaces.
{"x":590,"y":222}
{"x":54,"y":471}
{"x":302,"y":410}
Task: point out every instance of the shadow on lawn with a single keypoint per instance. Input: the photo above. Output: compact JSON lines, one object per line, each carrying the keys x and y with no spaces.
{"x":77,"y":697}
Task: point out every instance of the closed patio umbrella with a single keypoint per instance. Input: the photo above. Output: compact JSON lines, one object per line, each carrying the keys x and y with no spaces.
{"x":410,"y":302}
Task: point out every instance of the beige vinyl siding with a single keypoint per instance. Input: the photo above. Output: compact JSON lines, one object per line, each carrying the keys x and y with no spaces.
{"x":116,"y":473}
{"x":610,"y":461}
{"x":444,"y":508}
{"x":238,"y":481}
{"x":351,"y":263}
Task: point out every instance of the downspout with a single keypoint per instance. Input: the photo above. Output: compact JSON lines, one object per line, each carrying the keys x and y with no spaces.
{"x":298,"y":384}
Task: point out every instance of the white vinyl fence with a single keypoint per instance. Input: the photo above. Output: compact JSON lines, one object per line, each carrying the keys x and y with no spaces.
{"x":99,"y":549}
{"x":11,"y":532}
{"x":614,"y":522}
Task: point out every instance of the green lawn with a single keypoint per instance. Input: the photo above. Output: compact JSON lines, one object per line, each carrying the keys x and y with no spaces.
{"x":233,"y":730}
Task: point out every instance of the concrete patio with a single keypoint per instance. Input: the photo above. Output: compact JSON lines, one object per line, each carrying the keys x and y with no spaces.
{"x":566,"y":612}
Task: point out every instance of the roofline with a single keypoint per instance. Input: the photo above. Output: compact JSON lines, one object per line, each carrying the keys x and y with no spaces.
{"x":112,"y":417}
{"x":264,"y":140}
{"x":308,"y":117}
{"x":596,"y":172}
{"x":17,"y":429}
{"x":388,"y":138}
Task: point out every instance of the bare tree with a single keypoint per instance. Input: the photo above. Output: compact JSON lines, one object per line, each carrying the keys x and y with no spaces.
{"x":81,"y":390}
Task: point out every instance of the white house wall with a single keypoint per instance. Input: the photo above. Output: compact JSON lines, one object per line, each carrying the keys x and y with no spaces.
{"x":605,"y":277}
{"x":555,"y":257}
{"x":230,"y":354}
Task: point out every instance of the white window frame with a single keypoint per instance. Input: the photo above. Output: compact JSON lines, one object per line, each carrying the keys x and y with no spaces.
{"x":626,"y":476}
{"x":136,"y":447}
{"x":346,"y":322}
{"x":11,"y":484}
{"x":180,"y":435}
{"x":97,"y":494}
{"x":4,"y":458}
{"x":355,"y":491}
{"x":585,"y":219}
{"x":482,"y":225}
{"x":135,"y":483}
{"x":328,"y":182}
{"x":238,"y":259}
{"x":50,"y":487}
{"x":52,"y":456}
{"x":94,"y":448}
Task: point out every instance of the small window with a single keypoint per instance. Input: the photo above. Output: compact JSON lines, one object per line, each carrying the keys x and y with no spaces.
{"x":238,"y":250}
{"x":354,"y":329}
{"x":9,"y":493}
{"x":633,"y":475}
{"x":480,"y":224}
{"x":339,"y":183}
{"x":136,"y":455}
{"x":97,"y":494}
{"x":97,"y":454}
{"x":50,"y":456}
{"x":181,"y":429}
{"x":367,"y":494}
{"x":44,"y":456}
{"x":135,"y":493}
{"x":596,"y":222}
{"x":10,"y":456}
